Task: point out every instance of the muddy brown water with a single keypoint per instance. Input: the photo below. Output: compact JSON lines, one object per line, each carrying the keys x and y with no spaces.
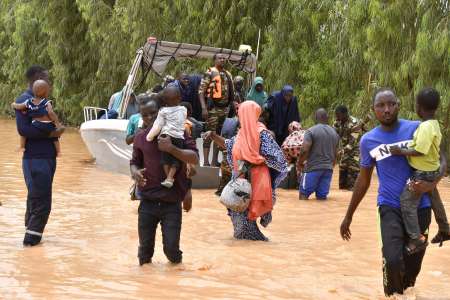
{"x":90,"y":243}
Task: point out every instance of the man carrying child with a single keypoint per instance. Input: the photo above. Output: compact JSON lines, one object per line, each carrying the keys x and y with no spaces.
{"x":399,"y":269}
{"x":38,"y":164}
{"x":161,"y":204}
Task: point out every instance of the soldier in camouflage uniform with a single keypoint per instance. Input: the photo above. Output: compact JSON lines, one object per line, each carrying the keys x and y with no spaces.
{"x":229,"y":130}
{"x":350,"y":130}
{"x":216,"y":93}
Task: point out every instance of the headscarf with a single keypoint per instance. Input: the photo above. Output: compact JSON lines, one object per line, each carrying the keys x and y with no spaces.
{"x":254,"y":95}
{"x":247,"y":147}
{"x":294,"y":126}
{"x":283,"y":114}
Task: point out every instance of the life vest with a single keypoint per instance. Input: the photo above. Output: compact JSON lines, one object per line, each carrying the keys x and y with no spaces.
{"x":214,"y":90}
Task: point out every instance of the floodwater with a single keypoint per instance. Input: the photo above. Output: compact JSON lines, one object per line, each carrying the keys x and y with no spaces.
{"x":90,"y":244}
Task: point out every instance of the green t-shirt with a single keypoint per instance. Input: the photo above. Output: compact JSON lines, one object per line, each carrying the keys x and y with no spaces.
{"x":426,"y":140}
{"x":134,"y":123}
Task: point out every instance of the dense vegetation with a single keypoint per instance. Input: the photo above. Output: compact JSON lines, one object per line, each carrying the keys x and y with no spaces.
{"x":330,"y":51}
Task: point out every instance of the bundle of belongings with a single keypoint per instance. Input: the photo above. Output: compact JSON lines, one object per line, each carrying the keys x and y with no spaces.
{"x":237,"y":193}
{"x":291,"y":145}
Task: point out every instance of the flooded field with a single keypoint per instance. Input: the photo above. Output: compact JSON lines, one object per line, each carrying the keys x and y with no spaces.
{"x":90,"y":244}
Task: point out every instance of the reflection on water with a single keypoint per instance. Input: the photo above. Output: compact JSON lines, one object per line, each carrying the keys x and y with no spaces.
{"x":89,"y":246}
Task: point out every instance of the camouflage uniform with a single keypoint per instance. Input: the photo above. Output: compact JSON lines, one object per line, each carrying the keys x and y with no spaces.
{"x":217,"y":108}
{"x":225,"y":171}
{"x":229,"y":130}
{"x":350,"y":133}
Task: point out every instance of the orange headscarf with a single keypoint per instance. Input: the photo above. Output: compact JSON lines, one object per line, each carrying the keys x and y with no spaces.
{"x":247,"y":147}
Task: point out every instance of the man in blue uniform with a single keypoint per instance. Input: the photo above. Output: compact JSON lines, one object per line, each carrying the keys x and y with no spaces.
{"x":38,"y":164}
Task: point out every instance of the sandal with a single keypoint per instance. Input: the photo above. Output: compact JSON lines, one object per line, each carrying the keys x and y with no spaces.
{"x":167,"y":183}
{"x":440,"y":238}
{"x":415,"y":246}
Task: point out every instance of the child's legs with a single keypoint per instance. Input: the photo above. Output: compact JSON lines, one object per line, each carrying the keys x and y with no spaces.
{"x":409,"y":202}
{"x":439,"y":211}
{"x":166,"y":169}
{"x":170,"y":163}
{"x":172,"y":171}
{"x":23,"y":141}
{"x":323,"y":187}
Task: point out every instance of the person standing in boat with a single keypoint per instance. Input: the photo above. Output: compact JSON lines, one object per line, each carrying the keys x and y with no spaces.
{"x":216,"y":93}
{"x":283,"y":107}
{"x":188,"y":86}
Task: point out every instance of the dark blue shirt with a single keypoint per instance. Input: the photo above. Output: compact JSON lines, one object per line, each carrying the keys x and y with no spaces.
{"x":393,"y":170}
{"x":38,"y":144}
{"x":39,"y":110}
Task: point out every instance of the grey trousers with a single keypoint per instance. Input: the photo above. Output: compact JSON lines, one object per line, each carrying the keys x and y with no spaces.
{"x":409,"y":203}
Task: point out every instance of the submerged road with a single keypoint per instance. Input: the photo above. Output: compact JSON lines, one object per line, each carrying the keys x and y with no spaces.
{"x":90,"y":244}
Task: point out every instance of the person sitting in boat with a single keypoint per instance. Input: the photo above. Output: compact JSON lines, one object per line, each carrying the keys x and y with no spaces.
{"x":168,"y":79}
{"x":39,"y":108}
{"x":170,"y":122}
{"x":114,"y":106}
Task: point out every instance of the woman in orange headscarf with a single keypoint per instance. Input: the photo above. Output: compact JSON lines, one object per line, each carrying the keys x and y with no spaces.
{"x":255,"y":145}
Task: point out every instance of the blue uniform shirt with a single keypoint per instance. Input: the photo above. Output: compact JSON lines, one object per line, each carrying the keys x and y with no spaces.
{"x":393,"y":170}
{"x":38,"y":144}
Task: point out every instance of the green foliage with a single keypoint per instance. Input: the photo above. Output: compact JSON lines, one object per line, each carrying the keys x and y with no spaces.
{"x":331,"y":51}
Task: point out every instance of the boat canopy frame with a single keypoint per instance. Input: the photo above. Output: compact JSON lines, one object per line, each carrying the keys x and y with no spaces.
{"x":156,"y":55}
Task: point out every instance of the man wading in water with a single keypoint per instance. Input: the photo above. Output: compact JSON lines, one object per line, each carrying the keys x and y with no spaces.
{"x":38,"y":164}
{"x":399,"y":269}
{"x":160,"y":204}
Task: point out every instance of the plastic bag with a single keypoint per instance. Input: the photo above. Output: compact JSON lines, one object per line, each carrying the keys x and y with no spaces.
{"x":236,"y":194}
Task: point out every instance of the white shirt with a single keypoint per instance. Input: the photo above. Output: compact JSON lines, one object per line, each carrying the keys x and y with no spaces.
{"x":171,"y":121}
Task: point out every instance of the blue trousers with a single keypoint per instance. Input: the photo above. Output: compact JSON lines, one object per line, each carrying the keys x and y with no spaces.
{"x":316,"y":182}
{"x":38,"y":175}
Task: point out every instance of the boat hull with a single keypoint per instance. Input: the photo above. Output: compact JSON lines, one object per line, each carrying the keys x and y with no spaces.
{"x":105,"y":140}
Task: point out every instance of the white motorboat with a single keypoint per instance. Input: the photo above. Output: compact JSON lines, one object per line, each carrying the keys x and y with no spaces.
{"x":105,"y":138}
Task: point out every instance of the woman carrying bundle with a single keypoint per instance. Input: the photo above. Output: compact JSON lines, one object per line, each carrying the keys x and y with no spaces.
{"x":255,"y":146}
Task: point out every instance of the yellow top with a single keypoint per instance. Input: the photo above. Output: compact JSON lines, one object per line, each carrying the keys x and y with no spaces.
{"x":426,"y":140}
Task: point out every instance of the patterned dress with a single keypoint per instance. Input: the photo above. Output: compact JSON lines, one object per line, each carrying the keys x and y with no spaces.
{"x":243,"y":227}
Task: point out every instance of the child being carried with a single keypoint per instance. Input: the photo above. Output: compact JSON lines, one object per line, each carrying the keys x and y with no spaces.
{"x":423,"y":157}
{"x":170,"y":121}
{"x":40,"y":109}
